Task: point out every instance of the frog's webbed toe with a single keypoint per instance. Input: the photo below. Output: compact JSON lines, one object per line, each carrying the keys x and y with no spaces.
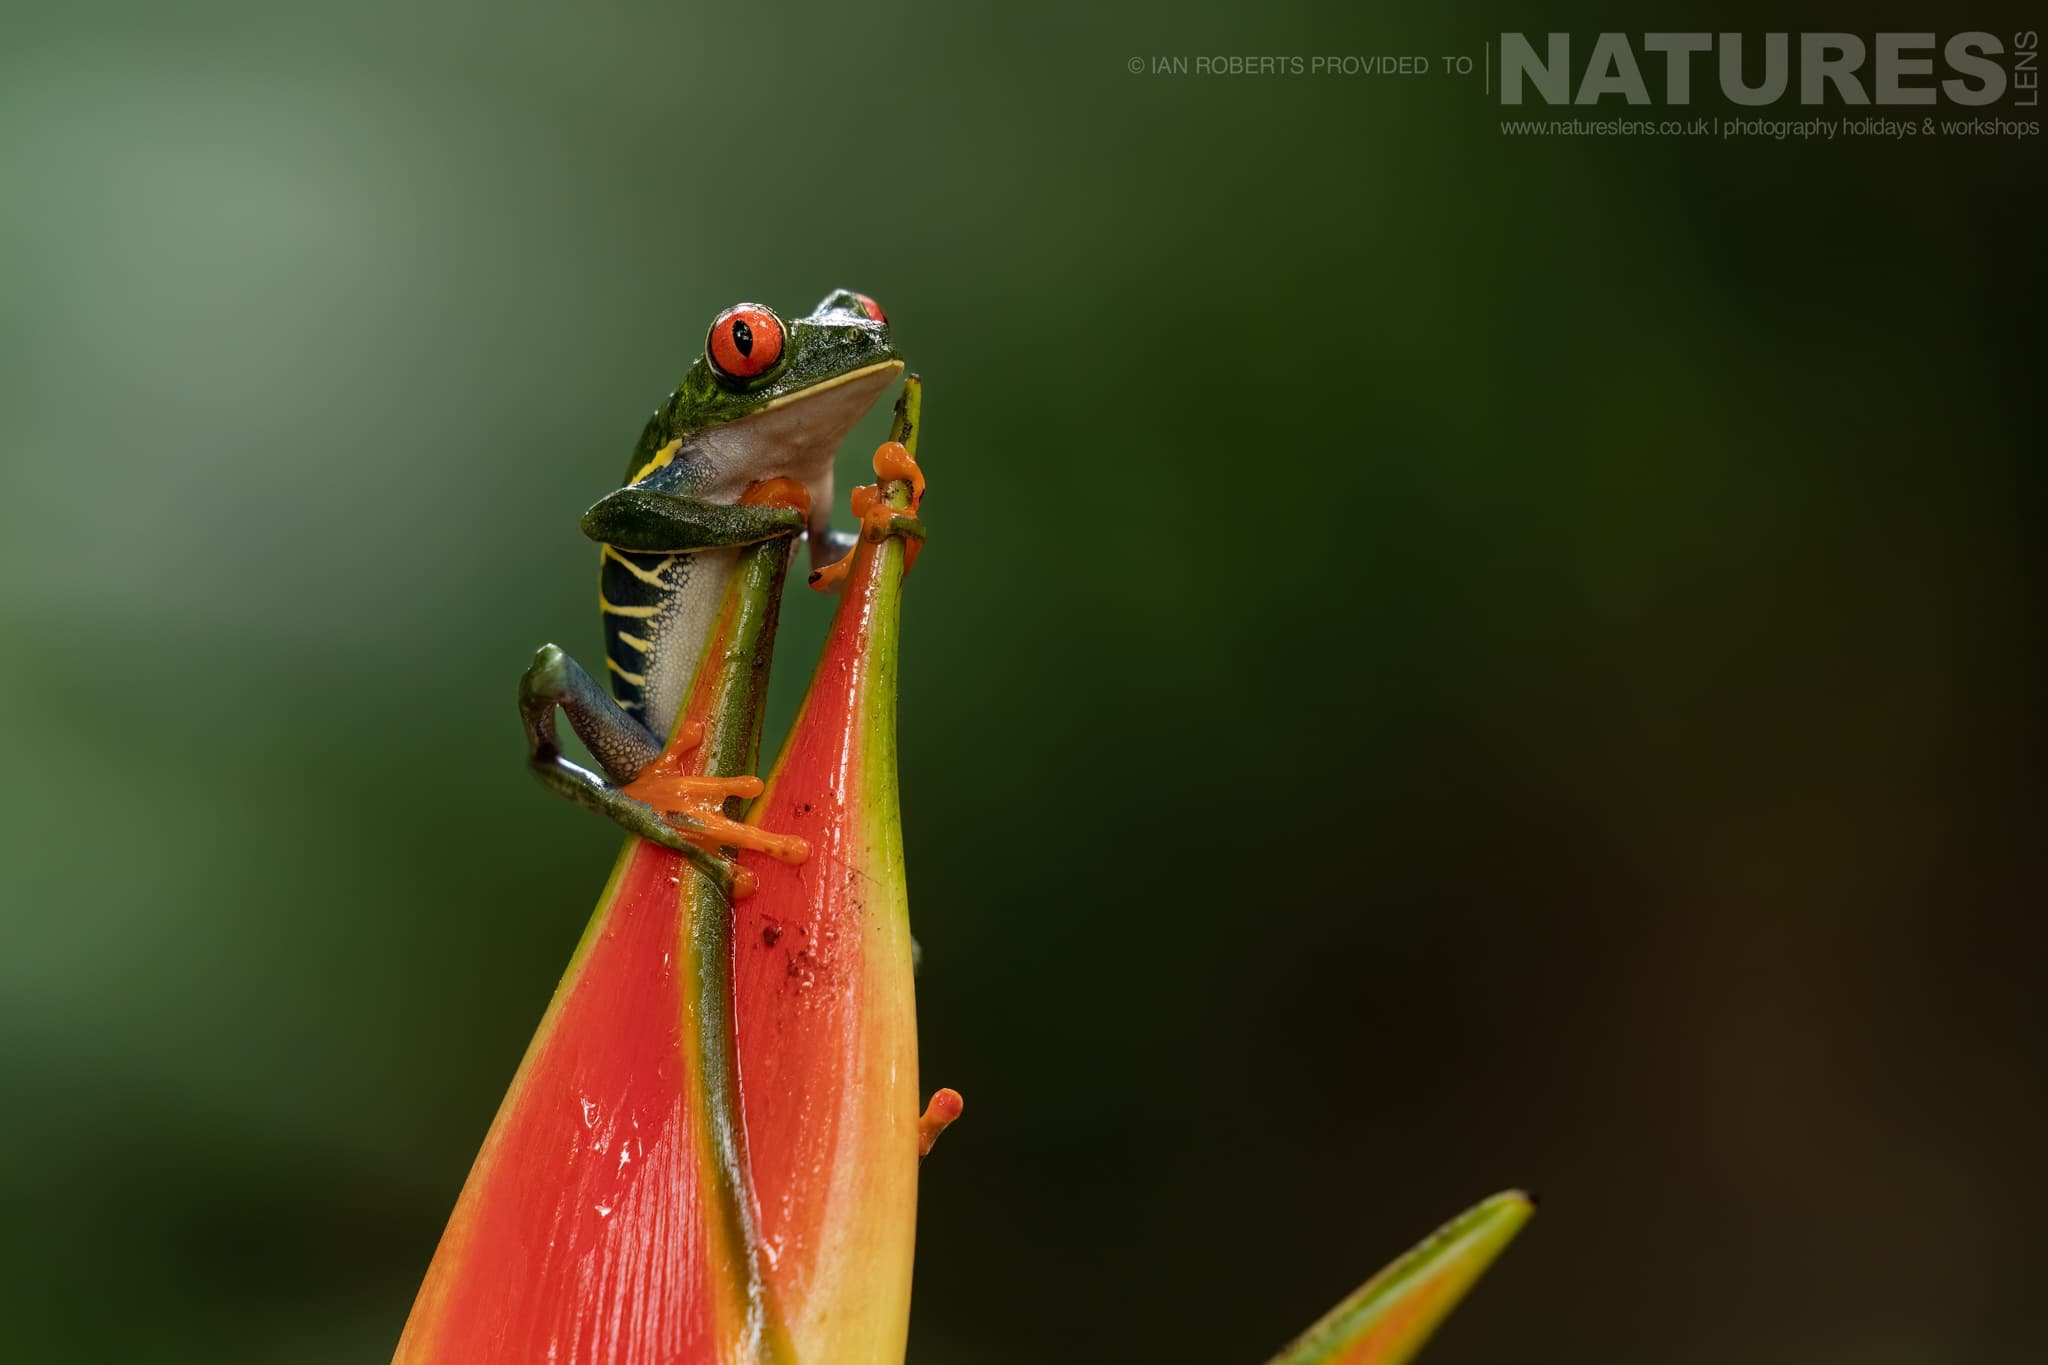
{"x":693,"y":805}
{"x":878,"y":518}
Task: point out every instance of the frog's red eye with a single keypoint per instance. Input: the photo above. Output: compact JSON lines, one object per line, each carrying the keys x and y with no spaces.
{"x":871,"y":308}
{"x":745,"y":341}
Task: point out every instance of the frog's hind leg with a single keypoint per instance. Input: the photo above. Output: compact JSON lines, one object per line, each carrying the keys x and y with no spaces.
{"x":679,"y":811}
{"x":619,"y":741}
{"x":612,"y":734}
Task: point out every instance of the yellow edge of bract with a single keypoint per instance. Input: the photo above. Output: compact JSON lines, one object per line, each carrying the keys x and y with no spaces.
{"x":1388,"y":1318}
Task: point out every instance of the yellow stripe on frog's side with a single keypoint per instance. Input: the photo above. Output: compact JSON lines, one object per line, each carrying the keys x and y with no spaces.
{"x":637,"y":679}
{"x":611,"y":608}
{"x":652,"y":577}
{"x":628,"y":638}
{"x":660,"y":460}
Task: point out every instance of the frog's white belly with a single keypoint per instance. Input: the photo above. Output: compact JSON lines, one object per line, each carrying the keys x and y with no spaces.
{"x":681,"y":644}
{"x":658,"y":611}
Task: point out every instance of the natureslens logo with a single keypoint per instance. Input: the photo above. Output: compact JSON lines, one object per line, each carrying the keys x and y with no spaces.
{"x":1762,"y":69}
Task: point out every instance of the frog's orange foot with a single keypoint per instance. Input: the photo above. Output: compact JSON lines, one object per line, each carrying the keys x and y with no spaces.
{"x":878,"y":520}
{"x":893,"y":460}
{"x":698,"y":803}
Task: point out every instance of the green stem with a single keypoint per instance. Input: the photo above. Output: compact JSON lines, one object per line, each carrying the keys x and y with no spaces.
{"x":738,"y":677}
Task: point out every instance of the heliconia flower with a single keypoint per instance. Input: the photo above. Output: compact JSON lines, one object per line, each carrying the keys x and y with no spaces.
{"x":710,"y":1150}
{"x":709,"y":1153}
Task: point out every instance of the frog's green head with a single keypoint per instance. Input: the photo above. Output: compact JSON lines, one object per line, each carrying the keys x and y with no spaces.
{"x":770,"y":396}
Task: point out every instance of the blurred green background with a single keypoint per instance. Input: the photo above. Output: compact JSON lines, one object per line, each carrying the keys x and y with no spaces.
{"x":1445,"y":661}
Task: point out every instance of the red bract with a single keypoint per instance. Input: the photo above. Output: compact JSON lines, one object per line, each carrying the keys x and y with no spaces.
{"x":582,"y":1233}
{"x":826,"y":1018}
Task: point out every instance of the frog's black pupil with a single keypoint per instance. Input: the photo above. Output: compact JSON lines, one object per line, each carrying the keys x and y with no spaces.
{"x":742,"y":336}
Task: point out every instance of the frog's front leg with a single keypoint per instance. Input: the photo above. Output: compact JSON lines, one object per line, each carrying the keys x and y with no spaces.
{"x":644,"y":519}
{"x":647,"y":519}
